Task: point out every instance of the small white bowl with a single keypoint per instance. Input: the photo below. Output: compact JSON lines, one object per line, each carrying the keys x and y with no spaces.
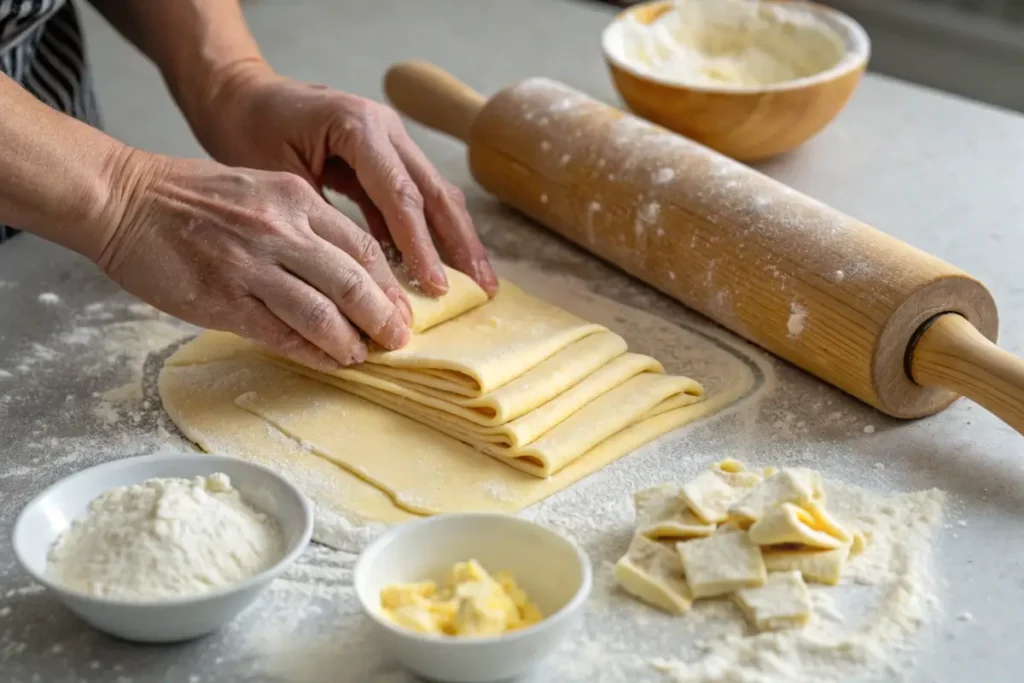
{"x":50,"y":514}
{"x":553,"y":570}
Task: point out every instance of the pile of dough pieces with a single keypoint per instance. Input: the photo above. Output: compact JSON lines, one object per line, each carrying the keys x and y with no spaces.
{"x":755,"y":536}
{"x":473,"y":604}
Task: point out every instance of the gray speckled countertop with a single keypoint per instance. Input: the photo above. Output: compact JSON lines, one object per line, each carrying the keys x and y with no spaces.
{"x":942,"y":173}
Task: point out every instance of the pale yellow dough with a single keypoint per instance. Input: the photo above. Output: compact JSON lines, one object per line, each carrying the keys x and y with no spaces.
{"x":653,"y":572}
{"x":516,"y":378}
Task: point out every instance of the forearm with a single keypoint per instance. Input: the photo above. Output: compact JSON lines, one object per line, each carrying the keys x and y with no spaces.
{"x":200,"y":47}
{"x":58,"y":174}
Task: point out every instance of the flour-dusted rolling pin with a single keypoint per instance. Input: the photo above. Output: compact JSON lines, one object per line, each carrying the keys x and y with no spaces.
{"x":884,"y":321}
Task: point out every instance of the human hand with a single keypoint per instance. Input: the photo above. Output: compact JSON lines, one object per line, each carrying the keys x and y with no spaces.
{"x":358,"y":148}
{"x":257,"y":253}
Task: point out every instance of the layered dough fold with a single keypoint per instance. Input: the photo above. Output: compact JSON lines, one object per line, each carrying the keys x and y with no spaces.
{"x":515,"y":378}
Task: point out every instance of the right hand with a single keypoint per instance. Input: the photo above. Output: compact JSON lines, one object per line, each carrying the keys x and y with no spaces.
{"x":257,"y":253}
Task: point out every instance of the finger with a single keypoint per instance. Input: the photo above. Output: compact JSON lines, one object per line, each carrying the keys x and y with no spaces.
{"x":333,"y":226}
{"x":368,"y":150}
{"x":261,"y":325}
{"x":446,"y":212}
{"x":312,"y":315}
{"x":340,"y":177}
{"x":351,"y":289}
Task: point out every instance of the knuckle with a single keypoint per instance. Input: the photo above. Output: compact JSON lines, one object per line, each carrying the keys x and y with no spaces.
{"x":367,"y":250}
{"x":455,"y":195}
{"x":320,"y":318}
{"x":407,"y":194}
{"x":351,"y":287}
{"x":390,"y":116}
{"x":292,"y":186}
{"x":445,"y":194}
{"x":350,"y":133}
{"x":268,"y":223}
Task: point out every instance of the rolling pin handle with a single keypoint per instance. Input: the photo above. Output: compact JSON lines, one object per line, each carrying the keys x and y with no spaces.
{"x":951,"y":353}
{"x":433,"y":97}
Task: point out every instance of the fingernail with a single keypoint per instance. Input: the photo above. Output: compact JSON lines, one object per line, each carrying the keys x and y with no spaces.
{"x":485,"y":276}
{"x":358,"y":354}
{"x":438,"y":277}
{"x":405,"y":309}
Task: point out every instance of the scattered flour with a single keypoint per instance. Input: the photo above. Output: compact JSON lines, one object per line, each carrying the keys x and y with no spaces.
{"x":797,"y":319}
{"x":165,"y":538}
{"x":308,"y":629}
{"x":664,"y":175}
{"x":49,"y":298}
{"x":892,"y":582}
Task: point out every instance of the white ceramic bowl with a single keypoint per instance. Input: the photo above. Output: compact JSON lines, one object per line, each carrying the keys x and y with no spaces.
{"x":52,"y":511}
{"x":552,"y":569}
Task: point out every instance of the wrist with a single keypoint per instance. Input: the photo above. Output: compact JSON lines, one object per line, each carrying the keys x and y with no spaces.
{"x":128,"y":178}
{"x":214,"y":104}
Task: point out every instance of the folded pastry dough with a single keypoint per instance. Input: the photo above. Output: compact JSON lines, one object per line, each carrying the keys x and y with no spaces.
{"x":791,"y":524}
{"x":515,"y":378}
{"x":797,"y":485}
{"x":485,"y":348}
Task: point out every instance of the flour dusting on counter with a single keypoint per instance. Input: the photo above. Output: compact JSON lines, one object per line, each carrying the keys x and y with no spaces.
{"x":797,"y":319}
{"x":307,"y":627}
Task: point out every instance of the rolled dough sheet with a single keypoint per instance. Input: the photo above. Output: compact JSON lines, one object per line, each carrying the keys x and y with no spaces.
{"x":200,"y":399}
{"x":421,"y":470}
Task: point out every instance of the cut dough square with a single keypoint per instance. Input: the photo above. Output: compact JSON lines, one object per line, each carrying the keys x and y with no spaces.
{"x":722,"y":563}
{"x":782,"y":602}
{"x":797,"y":486}
{"x":816,"y":566}
{"x":740,"y":480}
{"x":662,"y":514}
{"x":710,"y":496}
{"x":858,"y":543}
{"x":735,"y":474}
{"x":654,"y":573}
{"x":791,"y":524}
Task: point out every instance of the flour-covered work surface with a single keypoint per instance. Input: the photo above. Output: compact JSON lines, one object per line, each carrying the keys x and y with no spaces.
{"x":78,"y":375}
{"x":892,"y":598}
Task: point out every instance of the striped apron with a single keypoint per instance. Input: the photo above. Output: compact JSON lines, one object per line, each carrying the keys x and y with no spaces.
{"x":42,"y":48}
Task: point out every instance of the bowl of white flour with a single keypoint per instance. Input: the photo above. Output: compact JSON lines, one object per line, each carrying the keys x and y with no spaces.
{"x":164,"y":547}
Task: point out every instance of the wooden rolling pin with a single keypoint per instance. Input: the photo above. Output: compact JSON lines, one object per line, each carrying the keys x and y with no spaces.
{"x":890,"y":324}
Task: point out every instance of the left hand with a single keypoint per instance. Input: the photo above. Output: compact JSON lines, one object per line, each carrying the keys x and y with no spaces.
{"x":358,"y":148}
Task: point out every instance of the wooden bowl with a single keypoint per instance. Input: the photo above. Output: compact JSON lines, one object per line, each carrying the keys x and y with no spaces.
{"x":745,"y":123}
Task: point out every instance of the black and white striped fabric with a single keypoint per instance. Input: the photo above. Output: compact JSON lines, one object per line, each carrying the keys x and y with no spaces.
{"x":42,"y":48}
